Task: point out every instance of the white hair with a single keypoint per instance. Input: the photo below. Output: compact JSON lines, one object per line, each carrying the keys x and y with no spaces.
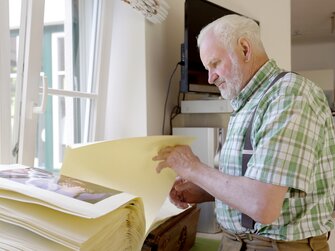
{"x":228,"y":29}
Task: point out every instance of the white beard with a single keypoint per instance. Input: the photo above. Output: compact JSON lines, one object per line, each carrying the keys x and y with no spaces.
{"x":233,"y":86}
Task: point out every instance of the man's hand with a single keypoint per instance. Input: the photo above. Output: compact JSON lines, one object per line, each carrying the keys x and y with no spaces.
{"x":179,"y":158}
{"x":184,"y":193}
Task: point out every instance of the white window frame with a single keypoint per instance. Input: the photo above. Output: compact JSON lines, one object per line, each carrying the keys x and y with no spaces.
{"x":30,"y":44}
{"x":5,"y":102}
{"x":31,"y":32}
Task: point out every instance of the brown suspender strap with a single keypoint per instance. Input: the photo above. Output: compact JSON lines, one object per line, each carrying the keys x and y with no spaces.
{"x":247,"y":221}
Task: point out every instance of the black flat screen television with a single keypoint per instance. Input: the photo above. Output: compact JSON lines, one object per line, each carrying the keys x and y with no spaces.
{"x":198,"y":13}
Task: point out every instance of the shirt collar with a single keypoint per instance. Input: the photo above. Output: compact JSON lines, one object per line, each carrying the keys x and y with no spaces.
{"x":263,"y":74}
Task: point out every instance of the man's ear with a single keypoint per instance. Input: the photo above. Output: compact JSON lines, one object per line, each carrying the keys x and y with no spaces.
{"x":245,"y":49}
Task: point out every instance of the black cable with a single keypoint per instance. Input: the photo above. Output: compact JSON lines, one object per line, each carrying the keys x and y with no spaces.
{"x":167,"y":94}
{"x":175,"y":111}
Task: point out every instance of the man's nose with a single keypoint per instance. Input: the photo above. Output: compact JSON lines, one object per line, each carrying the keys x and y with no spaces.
{"x":212,"y":77}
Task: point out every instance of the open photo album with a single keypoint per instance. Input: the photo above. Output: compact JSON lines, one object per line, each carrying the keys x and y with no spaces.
{"x":107,"y":196}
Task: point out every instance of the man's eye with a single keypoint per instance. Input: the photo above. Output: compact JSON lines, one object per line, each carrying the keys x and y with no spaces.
{"x":215,"y":64}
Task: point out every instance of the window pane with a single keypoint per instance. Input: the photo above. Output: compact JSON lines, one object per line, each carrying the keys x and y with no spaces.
{"x":51,"y":143}
{"x":66,"y":57}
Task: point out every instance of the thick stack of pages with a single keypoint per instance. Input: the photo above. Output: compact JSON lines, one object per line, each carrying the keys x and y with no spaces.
{"x":49,"y":213}
{"x":43,"y":211}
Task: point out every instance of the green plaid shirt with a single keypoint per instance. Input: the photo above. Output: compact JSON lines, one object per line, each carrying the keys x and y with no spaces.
{"x":293,"y":137}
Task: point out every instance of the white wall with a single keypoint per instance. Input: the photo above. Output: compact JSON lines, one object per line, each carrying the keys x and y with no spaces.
{"x":313,"y":55}
{"x":163,"y":53}
{"x":144,"y":56}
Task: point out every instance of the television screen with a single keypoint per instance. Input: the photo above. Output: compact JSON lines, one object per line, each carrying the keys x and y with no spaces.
{"x":198,"y":13}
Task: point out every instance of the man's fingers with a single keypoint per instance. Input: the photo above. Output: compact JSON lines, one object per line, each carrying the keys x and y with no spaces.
{"x":160,"y":166}
{"x":181,"y":186}
{"x":181,"y":205}
{"x":163,"y":153}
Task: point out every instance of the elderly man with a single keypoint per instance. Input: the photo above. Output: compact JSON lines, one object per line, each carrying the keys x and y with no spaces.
{"x":274,"y":189}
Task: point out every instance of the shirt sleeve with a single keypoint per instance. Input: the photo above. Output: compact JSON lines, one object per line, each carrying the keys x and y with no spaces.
{"x":285,"y":143}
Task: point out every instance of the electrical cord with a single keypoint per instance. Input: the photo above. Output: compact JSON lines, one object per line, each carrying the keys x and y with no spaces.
{"x":167,"y":96}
